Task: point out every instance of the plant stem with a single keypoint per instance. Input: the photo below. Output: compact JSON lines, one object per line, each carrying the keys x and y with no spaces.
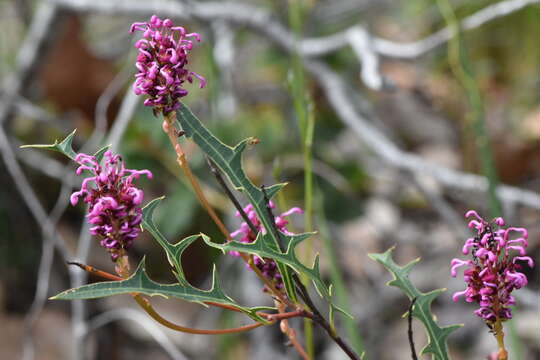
{"x":248,"y":259}
{"x":499,"y":334}
{"x":291,"y":334}
{"x":321,"y":321}
{"x":146,"y":306}
{"x":168,"y":127}
{"x":304,"y":294}
{"x":316,"y":315}
{"x":410,"y":330}
{"x":170,"y":130}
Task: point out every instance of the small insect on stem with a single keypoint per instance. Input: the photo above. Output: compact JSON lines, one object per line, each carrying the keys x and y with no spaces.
{"x":253,"y":141}
{"x":410,"y":331}
{"x":179,"y":133}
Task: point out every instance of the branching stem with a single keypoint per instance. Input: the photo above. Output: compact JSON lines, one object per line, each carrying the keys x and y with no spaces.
{"x":247,"y":258}
{"x":304,"y":294}
{"x":146,"y":306}
{"x":291,"y":333}
{"x":168,"y":127}
{"x":170,"y":130}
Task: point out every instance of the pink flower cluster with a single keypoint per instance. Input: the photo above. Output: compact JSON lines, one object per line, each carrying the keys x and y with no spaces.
{"x":493,"y":273}
{"x":163,"y":55}
{"x":114,"y":202}
{"x":267,"y":266}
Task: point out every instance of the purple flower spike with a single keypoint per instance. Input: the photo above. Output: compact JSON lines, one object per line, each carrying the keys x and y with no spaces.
{"x":113,"y":201}
{"x":267,"y":266}
{"x":492,"y":274}
{"x":161,"y":63}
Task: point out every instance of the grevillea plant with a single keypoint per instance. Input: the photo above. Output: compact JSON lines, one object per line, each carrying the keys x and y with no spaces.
{"x":263,"y":241}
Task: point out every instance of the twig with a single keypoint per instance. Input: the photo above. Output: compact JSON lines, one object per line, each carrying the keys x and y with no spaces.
{"x":124,"y":116}
{"x":102,"y":105}
{"x":281,"y":306}
{"x":418,"y":48}
{"x":141,"y":319}
{"x":29,"y":56}
{"x":215,"y":171}
{"x":51,"y":237}
{"x":145,"y":304}
{"x":339,"y":96}
{"x":304,"y":294}
{"x":362,"y":44}
{"x":33,"y":111}
{"x":223,"y":53}
{"x":245,"y":257}
{"x":264,"y":23}
{"x":446,"y":212}
{"x":169,"y":129}
{"x":291,"y":334}
{"x":319,"y":319}
{"x":36,"y":160}
{"x":149,"y":309}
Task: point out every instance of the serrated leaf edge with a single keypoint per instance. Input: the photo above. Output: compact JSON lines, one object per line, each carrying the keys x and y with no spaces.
{"x":422,"y":307}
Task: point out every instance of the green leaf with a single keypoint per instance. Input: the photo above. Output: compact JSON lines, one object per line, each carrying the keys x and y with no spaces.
{"x":63,"y":147}
{"x":437,"y":336}
{"x":173,"y":251}
{"x":66,"y":147}
{"x":139,"y":282}
{"x":174,"y":256}
{"x":229,"y":161}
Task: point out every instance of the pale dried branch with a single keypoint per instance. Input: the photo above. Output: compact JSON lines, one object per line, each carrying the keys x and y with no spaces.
{"x":252,"y":16}
{"x":263,"y":23}
{"x":29,"y":56}
{"x":340,"y":98}
{"x":141,"y":319}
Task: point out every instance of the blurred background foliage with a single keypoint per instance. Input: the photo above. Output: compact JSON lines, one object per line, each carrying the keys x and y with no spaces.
{"x":361,"y":204}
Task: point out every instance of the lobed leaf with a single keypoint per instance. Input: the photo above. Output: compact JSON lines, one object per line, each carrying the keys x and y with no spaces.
{"x":173,"y":251}
{"x":139,"y":282}
{"x":437,"y":336}
{"x":229,"y":161}
{"x":66,"y":147}
{"x":174,"y":256}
